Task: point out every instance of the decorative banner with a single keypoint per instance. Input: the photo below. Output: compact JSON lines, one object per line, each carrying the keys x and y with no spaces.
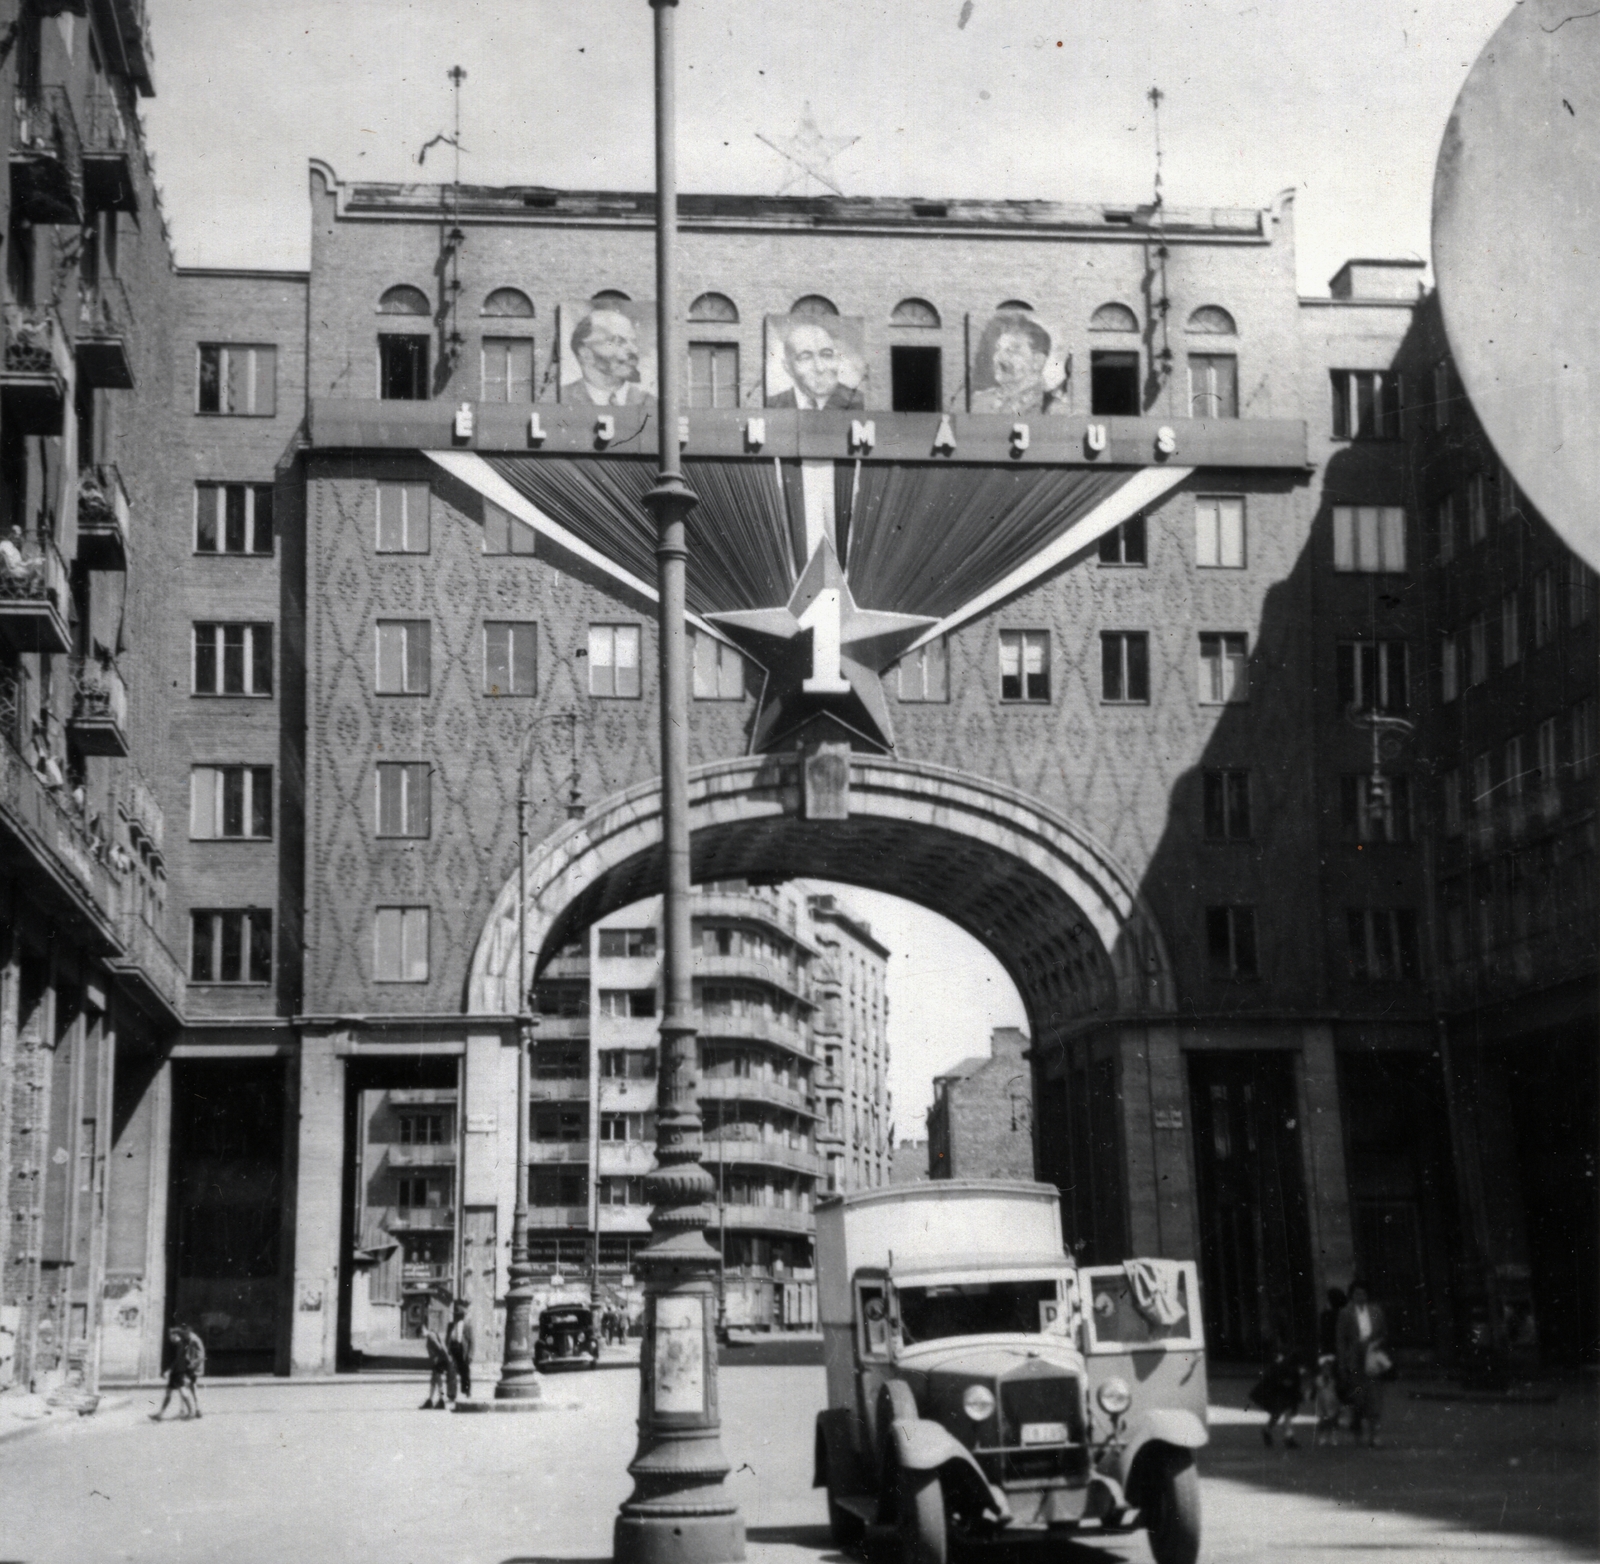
{"x":815,"y":361}
{"x":608,"y":353}
{"x":680,"y":1355}
{"x":1019,"y":367}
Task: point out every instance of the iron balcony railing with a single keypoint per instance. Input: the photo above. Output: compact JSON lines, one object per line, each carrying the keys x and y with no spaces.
{"x":105,"y":127}
{"x":105,"y":340}
{"x":35,"y":343}
{"x":47,"y":152}
{"x":99,"y":693}
{"x":43,"y":577}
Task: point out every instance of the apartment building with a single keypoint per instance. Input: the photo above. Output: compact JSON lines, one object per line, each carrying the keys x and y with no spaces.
{"x":981,"y":1122}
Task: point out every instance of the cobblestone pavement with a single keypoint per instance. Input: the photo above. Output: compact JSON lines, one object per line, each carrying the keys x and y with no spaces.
{"x":354,"y":1472}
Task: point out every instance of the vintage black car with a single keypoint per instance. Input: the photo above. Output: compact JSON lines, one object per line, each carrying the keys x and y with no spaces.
{"x":567,"y":1338}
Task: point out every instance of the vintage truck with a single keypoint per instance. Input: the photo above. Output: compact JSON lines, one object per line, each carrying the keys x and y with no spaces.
{"x":983,"y":1387}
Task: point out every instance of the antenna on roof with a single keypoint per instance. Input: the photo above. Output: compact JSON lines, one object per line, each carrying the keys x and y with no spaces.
{"x":1156,"y":97}
{"x":454,"y":237}
{"x":1161,"y":364}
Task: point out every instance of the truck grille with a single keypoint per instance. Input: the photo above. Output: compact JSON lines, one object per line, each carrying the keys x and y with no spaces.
{"x":1039,"y":1400}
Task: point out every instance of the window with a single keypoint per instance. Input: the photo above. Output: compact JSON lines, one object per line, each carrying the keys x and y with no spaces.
{"x":1453,"y":820}
{"x":1231,"y":941}
{"x":914,"y":312}
{"x":403,"y":299}
{"x":404,"y":656}
{"x":402,"y":368}
{"x":1125,"y":545}
{"x":1219,"y":532}
{"x":421,"y":1129}
{"x":228,"y":946}
{"x":1125,"y":667}
{"x":400,"y":945}
{"x":614,"y":660}
{"x":1366,"y":404}
{"x":714,"y":306}
{"x":627,"y":1003}
{"x":924,"y":675}
{"x":1583,"y":738}
{"x":1114,"y":383}
{"x":1544,"y":742}
{"x":405,"y":798}
{"x":421,"y":1192}
{"x":238,"y":380}
{"x":1224,"y":670}
{"x":510,"y":654}
{"x":1369,"y":538}
{"x":1449,"y":667}
{"x":718,"y":669}
{"x":565,"y":1123}
{"x":233,"y":518}
{"x":1212,"y":320}
{"x":1477,"y":509}
{"x":509,"y":302}
{"x":625,"y":1126}
{"x":232,"y":659}
{"x":558,"y":1187}
{"x":403,"y":518}
{"x":230,"y":801}
{"x":627,"y":1064}
{"x":916,"y":379}
{"x":1225,"y":805}
{"x":1383,"y":945}
{"x":1441,"y":395}
{"x":1213,"y":385}
{"x":507,"y":367}
{"x":1375,"y":808}
{"x":569,"y":999}
{"x":1111,"y":317}
{"x":1372,"y":675}
{"x":815,"y":305}
{"x":1511,"y":758}
{"x":1580,"y":592}
{"x":622,"y":1192}
{"x":1447,"y":529}
{"x":713,"y":374}
{"x":1482,"y":783}
{"x":1024,"y":665}
{"x":1544,"y":608}
{"x":1477,"y":649}
{"x":1508,"y":501}
{"x":504,"y":534}
{"x":628,"y":942}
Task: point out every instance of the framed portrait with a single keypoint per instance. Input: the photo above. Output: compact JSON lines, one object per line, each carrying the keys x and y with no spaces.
{"x":815,"y":361}
{"x":608,"y":352}
{"x":1019,"y":367}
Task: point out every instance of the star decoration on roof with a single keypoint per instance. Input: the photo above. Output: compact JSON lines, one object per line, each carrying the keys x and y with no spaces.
{"x":810,"y":152}
{"x":823,"y":654}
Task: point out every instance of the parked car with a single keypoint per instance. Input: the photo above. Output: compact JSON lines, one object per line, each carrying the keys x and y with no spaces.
{"x":982,"y":1386}
{"x":566,"y":1339}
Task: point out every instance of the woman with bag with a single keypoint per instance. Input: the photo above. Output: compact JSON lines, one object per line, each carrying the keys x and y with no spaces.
{"x":1364,"y":1361}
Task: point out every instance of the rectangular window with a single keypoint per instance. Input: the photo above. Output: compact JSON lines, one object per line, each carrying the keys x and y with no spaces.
{"x":1369,"y":539}
{"x":404,"y":656}
{"x":1544,"y":608}
{"x":230,"y":802}
{"x":1219,"y":532}
{"x":1025,"y":665}
{"x":1226,"y":805}
{"x":232,"y":659}
{"x":1373,"y":675}
{"x":713,"y":374}
{"x":1125,"y":667}
{"x":1375,"y":808}
{"x":1449,"y":667}
{"x":564,"y":1123}
{"x":1447,"y":529}
{"x":507,"y":364}
{"x":1231,"y":942}
{"x":1383,"y":945}
{"x":510,"y":652}
{"x":238,"y":379}
{"x":1114,"y":384}
{"x":402,"y":368}
{"x":504,"y":534}
{"x":1453,"y":821}
{"x":924,"y":675}
{"x":1477,"y":508}
{"x":421,"y":1192}
{"x":718,"y":669}
{"x":1583,"y":738}
{"x":1477,"y":649}
{"x":1544,"y":749}
{"x":625,"y":1127}
{"x":1224,"y":670}
{"x":627,"y":1003}
{"x":403,"y":518}
{"x":1509,"y":501}
{"x":1511,"y":759}
{"x":230,"y":946}
{"x":1366,"y":404}
{"x":916,"y":379}
{"x":627,"y":942}
{"x":400,"y":945}
{"x":1213,"y":385}
{"x":622,"y":1192}
{"x":1482,"y":783}
{"x":1580,"y":592}
{"x":421,"y":1129}
{"x":405,"y":798}
{"x":1441,"y":395}
{"x":558,"y":1187}
{"x":569,"y":999}
{"x":627,"y":1064}
{"x":614,"y":660}
{"x":1125,"y":545}
{"x":1510,"y":629}
{"x":233,"y":518}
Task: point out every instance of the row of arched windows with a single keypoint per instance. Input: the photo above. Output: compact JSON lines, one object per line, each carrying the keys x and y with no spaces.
{"x":513,"y":303}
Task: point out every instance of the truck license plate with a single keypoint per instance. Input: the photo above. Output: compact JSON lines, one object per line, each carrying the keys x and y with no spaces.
{"x":1044,"y":1433}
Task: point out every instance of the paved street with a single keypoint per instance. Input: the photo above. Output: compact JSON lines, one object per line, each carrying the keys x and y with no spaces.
{"x":354,"y":1472}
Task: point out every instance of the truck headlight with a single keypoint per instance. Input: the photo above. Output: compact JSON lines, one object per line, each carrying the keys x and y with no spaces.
{"x":978,"y":1402}
{"x":1114,"y":1397}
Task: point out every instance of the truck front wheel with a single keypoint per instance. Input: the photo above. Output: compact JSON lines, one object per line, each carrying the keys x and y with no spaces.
{"x":919,"y":1507}
{"x":1172,"y":1507}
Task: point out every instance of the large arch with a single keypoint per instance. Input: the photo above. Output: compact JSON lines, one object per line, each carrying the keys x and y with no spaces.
{"x":1061,"y":915}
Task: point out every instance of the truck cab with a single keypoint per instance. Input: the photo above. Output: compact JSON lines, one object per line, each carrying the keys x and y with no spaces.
{"x":983,"y":1387}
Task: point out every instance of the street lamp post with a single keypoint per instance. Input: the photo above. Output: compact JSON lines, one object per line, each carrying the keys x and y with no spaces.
{"x":679,"y":1511}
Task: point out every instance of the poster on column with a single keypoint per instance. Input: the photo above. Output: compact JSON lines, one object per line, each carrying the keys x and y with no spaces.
{"x":608,"y":352}
{"x":680,"y":1366}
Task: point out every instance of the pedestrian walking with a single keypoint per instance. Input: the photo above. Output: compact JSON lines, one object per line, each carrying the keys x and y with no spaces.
{"x":183,"y":1375}
{"x":441,"y":1373}
{"x":1279,"y":1391}
{"x":1364,"y":1361}
{"x":459,"y":1342}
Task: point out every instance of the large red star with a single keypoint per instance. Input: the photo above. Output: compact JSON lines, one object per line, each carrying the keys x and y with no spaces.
{"x":822,"y":653}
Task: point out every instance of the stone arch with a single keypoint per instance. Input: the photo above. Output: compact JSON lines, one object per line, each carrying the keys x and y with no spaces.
{"x":1061,"y":915}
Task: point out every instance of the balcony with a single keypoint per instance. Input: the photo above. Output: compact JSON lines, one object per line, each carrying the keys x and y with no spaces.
{"x":36,"y":377}
{"x":771,"y":1219}
{"x":618,"y":1095}
{"x":108,"y":151}
{"x":46,"y":158}
{"x":104,"y":343}
{"x":414,"y":1219}
{"x":441,"y":1156}
{"x":104,"y":518}
{"x":574,"y":1090}
{"x":543,"y":1152}
{"x":99,"y":721}
{"x":729,"y":1149}
{"x":756,"y":1028}
{"x":752,"y":1088}
{"x":33,"y":599}
{"x":558,"y":1217}
{"x":625,"y":1219}
{"x":752,"y":969}
{"x":153,"y":975}
{"x":625,"y":1158}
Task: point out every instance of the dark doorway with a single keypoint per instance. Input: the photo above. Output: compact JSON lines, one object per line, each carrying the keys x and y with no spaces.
{"x":1114,"y":383}
{"x":403,"y":369}
{"x":1255,"y":1241}
{"x":1082,"y":1149}
{"x":916,"y":380}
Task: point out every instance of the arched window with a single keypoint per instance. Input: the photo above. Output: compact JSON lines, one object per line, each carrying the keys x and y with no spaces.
{"x":403,"y":300}
{"x":815,"y":305}
{"x":1015,"y":304}
{"x":714,"y":306}
{"x":914,"y":312}
{"x":610,"y":296}
{"x":1214,"y":321}
{"x":1113,"y":317}
{"x":509,"y":301}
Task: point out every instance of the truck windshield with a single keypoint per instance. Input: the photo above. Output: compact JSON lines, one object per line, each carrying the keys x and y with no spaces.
{"x":972,"y":1309}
